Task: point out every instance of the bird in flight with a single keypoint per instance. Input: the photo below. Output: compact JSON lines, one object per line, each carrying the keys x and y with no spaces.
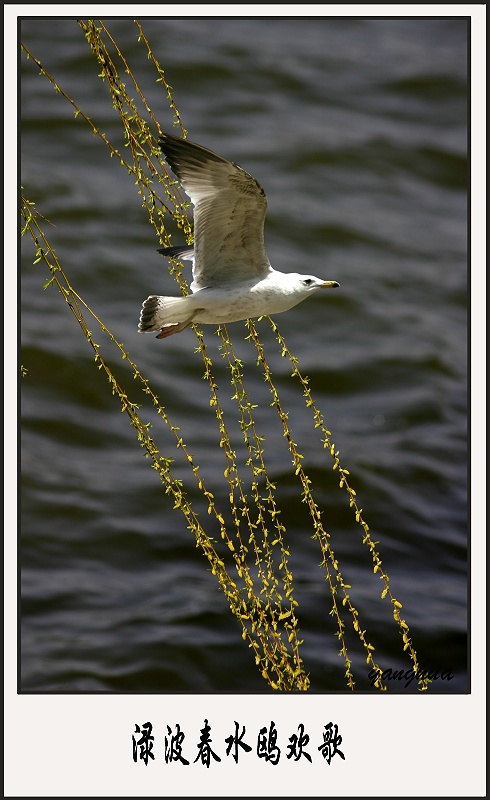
{"x":232,"y":276}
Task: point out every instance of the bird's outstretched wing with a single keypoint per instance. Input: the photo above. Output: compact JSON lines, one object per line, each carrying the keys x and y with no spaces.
{"x":229,"y":214}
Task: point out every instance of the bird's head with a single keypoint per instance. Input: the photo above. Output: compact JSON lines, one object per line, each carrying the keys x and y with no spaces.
{"x":309,"y":283}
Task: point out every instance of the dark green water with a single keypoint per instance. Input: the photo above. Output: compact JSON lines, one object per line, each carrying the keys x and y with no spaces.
{"x":357,"y":131}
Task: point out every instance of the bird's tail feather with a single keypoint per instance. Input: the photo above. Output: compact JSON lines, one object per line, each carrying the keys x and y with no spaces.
{"x":158,"y":311}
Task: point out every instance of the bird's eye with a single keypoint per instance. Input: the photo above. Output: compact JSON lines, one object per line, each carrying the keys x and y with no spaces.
{"x":307,"y":281}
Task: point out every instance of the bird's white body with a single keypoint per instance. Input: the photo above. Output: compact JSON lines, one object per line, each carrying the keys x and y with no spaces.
{"x":275,"y":293}
{"x":232,"y":277}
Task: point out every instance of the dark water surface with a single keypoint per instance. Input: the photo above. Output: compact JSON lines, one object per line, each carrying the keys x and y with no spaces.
{"x":357,"y":131}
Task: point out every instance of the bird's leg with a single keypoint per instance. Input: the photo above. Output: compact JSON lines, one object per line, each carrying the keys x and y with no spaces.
{"x":176,"y":327}
{"x":171,"y":328}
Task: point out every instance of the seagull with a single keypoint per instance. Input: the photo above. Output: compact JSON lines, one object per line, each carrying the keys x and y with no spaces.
{"x":232,"y":276}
